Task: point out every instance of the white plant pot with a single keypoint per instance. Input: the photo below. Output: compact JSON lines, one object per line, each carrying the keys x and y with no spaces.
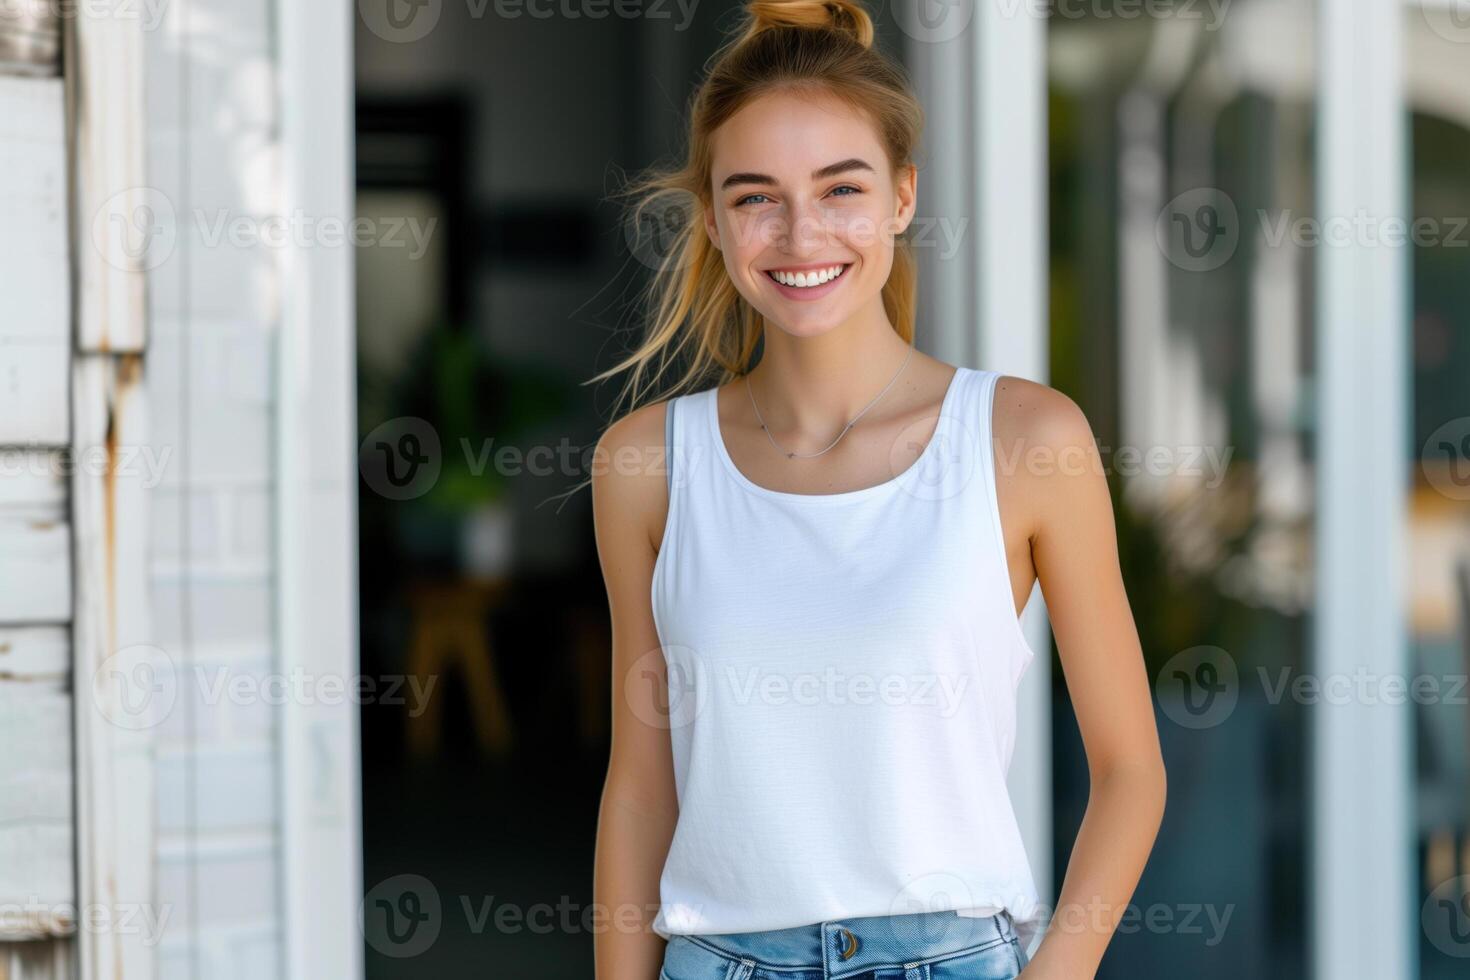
{"x":487,"y":540}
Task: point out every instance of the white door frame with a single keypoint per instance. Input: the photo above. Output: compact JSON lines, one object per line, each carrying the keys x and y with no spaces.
{"x":321,"y":852}
{"x":981,"y":73}
{"x":1362,"y":829}
{"x":1010,"y":177}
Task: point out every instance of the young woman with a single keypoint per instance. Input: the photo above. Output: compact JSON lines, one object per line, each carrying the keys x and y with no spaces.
{"x":815,"y":602}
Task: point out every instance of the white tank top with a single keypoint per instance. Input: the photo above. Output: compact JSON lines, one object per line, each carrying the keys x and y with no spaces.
{"x":843,"y":671}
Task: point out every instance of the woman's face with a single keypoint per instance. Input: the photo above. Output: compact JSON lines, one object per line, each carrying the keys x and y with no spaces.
{"x":802,"y":189}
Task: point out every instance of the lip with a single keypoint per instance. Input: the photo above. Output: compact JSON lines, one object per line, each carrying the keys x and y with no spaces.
{"x":808,"y":293}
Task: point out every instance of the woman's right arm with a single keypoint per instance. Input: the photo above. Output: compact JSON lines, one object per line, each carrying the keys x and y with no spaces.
{"x":636,"y":818}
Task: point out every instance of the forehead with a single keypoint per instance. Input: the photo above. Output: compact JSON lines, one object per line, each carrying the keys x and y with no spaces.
{"x":790,"y":134}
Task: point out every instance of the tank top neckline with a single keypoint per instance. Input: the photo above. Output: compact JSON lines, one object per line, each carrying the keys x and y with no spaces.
{"x":946,"y":404}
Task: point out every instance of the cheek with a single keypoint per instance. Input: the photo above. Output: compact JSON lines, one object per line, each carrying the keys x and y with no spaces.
{"x":866,"y":230}
{"x":748,"y":233}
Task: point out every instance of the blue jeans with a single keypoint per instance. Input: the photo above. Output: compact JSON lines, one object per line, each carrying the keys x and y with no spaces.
{"x":917,"y":946}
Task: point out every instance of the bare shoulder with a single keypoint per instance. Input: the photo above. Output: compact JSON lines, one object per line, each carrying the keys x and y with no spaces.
{"x":629,"y":485}
{"x":1047,"y":461}
{"x":1033,"y":415}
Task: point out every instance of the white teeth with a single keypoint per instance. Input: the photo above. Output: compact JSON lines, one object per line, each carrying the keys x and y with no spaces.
{"x":805,"y":280}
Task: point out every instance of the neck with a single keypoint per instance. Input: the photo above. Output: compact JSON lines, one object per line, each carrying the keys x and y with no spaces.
{"x":817,"y":384}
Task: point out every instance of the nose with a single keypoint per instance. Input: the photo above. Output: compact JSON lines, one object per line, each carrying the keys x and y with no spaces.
{"x":801,"y":229}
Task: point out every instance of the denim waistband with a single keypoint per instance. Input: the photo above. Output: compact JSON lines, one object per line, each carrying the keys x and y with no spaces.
{"x":846,"y":946}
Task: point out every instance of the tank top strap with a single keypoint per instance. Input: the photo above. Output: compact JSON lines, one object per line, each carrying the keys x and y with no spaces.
{"x":669,"y":443}
{"x":982,"y":402}
{"x":978,"y":414}
{"x":684,"y":436}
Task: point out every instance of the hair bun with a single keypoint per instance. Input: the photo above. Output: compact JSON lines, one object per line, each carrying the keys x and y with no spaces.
{"x":846,"y":16}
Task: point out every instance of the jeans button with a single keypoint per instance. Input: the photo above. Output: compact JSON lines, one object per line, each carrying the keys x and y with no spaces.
{"x":849,"y":944}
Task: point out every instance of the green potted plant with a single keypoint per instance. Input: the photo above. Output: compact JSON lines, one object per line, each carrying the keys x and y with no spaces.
{"x":476,"y":404}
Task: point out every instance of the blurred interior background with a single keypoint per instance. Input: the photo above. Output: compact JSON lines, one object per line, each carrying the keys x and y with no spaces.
{"x":489,"y":125}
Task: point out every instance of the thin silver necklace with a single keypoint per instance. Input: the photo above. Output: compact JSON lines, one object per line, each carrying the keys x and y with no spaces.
{"x":845,"y":428}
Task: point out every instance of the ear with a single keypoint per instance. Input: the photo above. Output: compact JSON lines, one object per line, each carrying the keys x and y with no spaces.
{"x":907,"y":192}
{"x":711,"y":227}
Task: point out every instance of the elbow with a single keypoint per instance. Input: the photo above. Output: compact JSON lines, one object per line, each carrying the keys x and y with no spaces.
{"x":1146,"y":781}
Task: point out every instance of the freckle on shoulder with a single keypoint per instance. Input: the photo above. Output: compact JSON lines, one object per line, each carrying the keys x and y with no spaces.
{"x":1038,"y":413}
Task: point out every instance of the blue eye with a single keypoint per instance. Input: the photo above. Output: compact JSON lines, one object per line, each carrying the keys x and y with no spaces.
{"x":842,"y":187}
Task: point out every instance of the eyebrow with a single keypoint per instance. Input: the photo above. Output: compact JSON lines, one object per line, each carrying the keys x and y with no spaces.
{"x":831,"y":170}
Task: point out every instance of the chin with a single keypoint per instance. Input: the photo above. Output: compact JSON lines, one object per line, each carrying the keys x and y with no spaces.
{"x":808,"y":325}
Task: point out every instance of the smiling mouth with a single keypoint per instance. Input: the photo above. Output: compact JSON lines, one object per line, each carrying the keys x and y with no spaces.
{"x":807,"y":280}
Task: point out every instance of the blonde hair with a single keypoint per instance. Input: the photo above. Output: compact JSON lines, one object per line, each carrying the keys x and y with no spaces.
{"x":695,"y":312}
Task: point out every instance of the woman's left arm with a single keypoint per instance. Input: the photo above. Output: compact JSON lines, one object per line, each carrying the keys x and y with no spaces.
{"x":1059,"y":474}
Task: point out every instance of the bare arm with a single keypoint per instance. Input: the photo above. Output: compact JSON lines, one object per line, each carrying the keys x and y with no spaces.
{"x":1074,"y":551}
{"x":636,"y":818}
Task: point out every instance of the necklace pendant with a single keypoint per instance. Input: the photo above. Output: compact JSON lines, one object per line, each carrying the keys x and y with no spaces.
{"x":791,"y":455}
